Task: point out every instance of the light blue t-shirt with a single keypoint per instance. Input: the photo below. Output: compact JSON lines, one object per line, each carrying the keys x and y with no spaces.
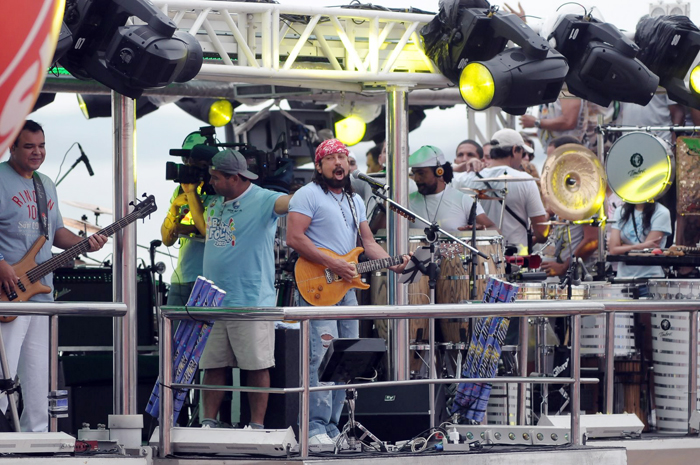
{"x":332,"y":224}
{"x":660,"y":221}
{"x":19,"y":226}
{"x":191,"y":253}
{"x":239,"y":251}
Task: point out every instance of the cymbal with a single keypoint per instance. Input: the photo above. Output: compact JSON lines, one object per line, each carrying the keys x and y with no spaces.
{"x":82,"y":225}
{"x":506,"y":178}
{"x":478,"y":191}
{"x":86,"y":206}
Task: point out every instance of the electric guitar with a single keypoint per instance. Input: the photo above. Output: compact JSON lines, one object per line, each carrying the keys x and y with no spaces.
{"x":320,"y":286}
{"x":29,"y":274}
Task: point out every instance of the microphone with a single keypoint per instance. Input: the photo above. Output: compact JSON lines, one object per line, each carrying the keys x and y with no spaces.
{"x":85,"y":160}
{"x":373,"y":182}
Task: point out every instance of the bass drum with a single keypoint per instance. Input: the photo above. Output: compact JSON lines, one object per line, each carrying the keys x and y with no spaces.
{"x":640,"y":167}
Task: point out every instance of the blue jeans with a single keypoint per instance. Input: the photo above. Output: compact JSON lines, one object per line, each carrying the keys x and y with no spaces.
{"x":326,"y":406}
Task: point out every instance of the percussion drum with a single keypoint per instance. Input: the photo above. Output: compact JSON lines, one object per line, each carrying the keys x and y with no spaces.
{"x":593,"y":326}
{"x":556,"y":292}
{"x":502,"y":409}
{"x":670,"y":344}
{"x":540,"y":330}
{"x":453,"y":283}
{"x":640,"y":167}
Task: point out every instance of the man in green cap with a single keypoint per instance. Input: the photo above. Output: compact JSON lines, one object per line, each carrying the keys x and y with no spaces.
{"x":436,"y":200}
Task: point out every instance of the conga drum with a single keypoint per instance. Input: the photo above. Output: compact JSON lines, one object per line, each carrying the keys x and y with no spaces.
{"x":670,"y":339}
{"x":453,"y":282}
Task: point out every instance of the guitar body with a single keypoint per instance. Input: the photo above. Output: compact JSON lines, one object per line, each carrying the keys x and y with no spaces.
{"x":27,"y":289}
{"x":318,"y":286}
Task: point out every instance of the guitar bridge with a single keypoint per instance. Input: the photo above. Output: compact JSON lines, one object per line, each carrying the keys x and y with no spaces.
{"x":329,"y":275}
{"x":21,"y":286}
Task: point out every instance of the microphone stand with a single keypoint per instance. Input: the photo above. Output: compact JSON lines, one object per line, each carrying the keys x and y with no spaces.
{"x":472,"y":256}
{"x":72,"y":167}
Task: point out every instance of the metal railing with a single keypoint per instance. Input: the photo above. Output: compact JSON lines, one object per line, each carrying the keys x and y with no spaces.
{"x":305,"y":314}
{"x":54,"y":310}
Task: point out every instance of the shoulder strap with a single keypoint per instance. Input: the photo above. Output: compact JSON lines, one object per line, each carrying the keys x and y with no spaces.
{"x":356,"y":220}
{"x":508,"y":209}
{"x":41,"y":205}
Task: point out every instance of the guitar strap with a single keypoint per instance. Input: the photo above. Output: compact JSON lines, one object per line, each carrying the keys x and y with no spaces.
{"x":351,"y":203}
{"x":41,"y":205}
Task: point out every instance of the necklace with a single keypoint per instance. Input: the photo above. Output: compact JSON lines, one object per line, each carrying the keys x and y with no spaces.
{"x":340,"y":205}
{"x":437,"y":210}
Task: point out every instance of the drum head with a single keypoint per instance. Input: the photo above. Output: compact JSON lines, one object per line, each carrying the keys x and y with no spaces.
{"x":573,"y":182}
{"x":640,"y":167}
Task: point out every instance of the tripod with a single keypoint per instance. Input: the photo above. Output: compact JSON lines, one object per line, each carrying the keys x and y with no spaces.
{"x":348,"y":432}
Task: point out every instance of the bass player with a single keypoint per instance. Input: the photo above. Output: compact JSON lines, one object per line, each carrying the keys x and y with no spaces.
{"x":21,"y":210}
{"x":326,"y":213}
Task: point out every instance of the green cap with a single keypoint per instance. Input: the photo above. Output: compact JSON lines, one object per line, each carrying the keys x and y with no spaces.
{"x":428,"y":155}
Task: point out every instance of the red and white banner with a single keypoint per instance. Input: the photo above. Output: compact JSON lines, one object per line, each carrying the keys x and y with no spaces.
{"x":28,"y":44}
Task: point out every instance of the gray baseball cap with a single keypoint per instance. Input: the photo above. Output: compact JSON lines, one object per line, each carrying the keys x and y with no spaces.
{"x":232,"y":162}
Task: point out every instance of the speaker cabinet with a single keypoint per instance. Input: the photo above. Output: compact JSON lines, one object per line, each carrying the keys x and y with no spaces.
{"x":95,"y":285}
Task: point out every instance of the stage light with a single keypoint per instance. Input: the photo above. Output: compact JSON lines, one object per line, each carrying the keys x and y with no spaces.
{"x":216,"y":112}
{"x":128,"y":59}
{"x":695,"y":80}
{"x":468,"y":45}
{"x":668,"y":46}
{"x":513,"y":81}
{"x":350,"y":130}
{"x":602,"y":62}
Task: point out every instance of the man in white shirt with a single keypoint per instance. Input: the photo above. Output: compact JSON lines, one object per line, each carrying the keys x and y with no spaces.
{"x":435,"y":200}
{"x":523,"y":203}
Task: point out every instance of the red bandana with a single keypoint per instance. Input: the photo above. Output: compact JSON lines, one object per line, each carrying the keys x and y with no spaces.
{"x":329,"y":147}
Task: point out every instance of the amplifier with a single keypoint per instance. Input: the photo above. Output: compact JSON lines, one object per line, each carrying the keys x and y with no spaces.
{"x":95,"y":285}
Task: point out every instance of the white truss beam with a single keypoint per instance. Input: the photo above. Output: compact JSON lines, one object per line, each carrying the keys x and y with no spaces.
{"x":371,"y":48}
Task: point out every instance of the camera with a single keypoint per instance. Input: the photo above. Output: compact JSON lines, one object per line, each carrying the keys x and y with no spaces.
{"x":185,"y":174}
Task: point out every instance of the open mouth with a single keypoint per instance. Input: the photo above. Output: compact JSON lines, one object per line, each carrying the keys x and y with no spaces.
{"x":339,"y":172}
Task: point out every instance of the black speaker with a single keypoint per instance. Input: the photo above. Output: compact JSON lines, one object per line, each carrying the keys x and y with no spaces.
{"x":396,"y":413}
{"x":95,"y":285}
{"x":88,"y":379}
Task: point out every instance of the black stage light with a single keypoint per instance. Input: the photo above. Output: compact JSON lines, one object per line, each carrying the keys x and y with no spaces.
{"x":44,"y":99}
{"x":216,"y":112}
{"x":64,"y":43}
{"x":668,"y":46}
{"x":602,"y":62}
{"x":128,"y":59}
{"x":100,"y":106}
{"x":467,"y":41}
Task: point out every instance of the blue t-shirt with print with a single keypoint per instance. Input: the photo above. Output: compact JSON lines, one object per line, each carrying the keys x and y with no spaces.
{"x":660,"y":221}
{"x":332,"y":224}
{"x":239,"y":250}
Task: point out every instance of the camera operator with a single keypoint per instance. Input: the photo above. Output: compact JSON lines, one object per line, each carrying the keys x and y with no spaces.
{"x":184,"y":221}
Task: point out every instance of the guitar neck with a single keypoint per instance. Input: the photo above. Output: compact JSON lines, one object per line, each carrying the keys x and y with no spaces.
{"x":38,"y":272}
{"x":366,"y":267}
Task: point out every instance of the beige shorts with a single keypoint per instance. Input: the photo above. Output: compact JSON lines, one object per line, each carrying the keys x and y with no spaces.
{"x":248,"y":345}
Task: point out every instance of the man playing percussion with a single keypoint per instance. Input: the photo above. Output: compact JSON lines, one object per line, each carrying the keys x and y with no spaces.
{"x":435,"y":200}
{"x":523,"y":205}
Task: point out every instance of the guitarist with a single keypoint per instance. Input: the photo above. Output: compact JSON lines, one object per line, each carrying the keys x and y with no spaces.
{"x":27,"y":337}
{"x":326,"y":213}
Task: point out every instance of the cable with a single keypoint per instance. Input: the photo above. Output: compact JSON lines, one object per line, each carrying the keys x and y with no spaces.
{"x":64,"y":160}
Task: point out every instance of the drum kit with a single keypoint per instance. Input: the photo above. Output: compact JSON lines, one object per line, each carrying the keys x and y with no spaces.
{"x":83,"y":225}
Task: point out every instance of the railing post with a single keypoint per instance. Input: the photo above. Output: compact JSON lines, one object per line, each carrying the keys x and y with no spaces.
{"x":609,"y":361}
{"x":53,"y":364}
{"x":305,"y":394}
{"x":693,"y":365}
{"x":165,"y":394}
{"x":575,"y":362}
{"x":522,"y":387}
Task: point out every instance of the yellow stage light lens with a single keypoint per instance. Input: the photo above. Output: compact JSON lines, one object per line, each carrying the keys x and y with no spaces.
{"x":220,"y":113}
{"x":350,"y":130}
{"x":695,"y":79}
{"x":476,"y":86}
{"x":83,"y":106}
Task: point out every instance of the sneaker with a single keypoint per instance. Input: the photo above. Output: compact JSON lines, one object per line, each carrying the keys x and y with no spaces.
{"x":211,"y":423}
{"x":321,"y":440}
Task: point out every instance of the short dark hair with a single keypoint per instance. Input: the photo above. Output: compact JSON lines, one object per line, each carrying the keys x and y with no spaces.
{"x":563,"y":140}
{"x":499,"y":152}
{"x":31,"y":126}
{"x":374,"y":152}
{"x":449,"y":173}
{"x":479,"y":149}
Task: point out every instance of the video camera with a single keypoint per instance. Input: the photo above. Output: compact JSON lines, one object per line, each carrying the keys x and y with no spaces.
{"x":188,"y":174}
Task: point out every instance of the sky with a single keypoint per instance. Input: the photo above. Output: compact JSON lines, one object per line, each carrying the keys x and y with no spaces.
{"x":166,"y":128}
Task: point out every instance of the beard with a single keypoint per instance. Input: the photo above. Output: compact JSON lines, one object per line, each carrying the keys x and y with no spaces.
{"x":427,"y":189}
{"x":335,"y":183}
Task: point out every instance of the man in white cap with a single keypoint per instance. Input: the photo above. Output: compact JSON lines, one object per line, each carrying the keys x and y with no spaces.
{"x":523,"y":205}
{"x":241,"y":222}
{"x":435,"y":199}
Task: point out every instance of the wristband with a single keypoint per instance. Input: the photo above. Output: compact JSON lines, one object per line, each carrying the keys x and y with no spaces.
{"x":538,"y":123}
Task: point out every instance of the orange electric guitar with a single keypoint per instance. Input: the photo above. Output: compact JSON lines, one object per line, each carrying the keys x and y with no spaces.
{"x":29,"y":273}
{"x":320,"y":286}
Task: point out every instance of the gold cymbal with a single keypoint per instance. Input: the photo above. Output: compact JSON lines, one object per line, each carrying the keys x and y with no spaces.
{"x":573,"y":182}
{"x":506,"y":178}
{"x":81,"y":225}
{"x":86,"y":206}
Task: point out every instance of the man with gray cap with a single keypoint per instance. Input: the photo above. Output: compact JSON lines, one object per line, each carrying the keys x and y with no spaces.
{"x":241,"y":222}
{"x":523,"y":205}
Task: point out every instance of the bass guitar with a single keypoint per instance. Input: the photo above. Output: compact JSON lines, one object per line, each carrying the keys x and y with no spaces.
{"x":29,"y":274}
{"x":320,"y":286}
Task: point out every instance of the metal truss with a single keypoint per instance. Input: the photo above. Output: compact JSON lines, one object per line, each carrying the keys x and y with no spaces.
{"x":332,"y":48}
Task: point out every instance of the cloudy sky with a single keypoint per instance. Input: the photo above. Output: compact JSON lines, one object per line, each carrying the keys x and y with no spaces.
{"x":166,"y":128}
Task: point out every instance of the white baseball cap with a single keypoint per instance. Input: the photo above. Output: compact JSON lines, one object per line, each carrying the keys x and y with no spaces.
{"x":509,"y":138}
